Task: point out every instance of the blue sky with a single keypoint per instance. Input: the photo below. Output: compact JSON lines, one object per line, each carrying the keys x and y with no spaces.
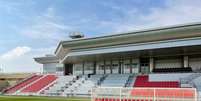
{"x":31,"y":28}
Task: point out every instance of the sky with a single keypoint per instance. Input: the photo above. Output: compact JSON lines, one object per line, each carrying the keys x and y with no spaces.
{"x":33,"y":28}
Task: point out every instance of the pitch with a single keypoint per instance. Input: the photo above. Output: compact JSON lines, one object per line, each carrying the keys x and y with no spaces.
{"x":30,"y":98}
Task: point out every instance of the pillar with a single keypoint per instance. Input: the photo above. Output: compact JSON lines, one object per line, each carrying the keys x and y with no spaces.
{"x":120,"y":68}
{"x":104,"y":67}
{"x":131,"y":66}
{"x":111,"y":67}
{"x":186,"y":61}
{"x":83,"y":68}
{"x":151,"y":64}
{"x":94,"y":70}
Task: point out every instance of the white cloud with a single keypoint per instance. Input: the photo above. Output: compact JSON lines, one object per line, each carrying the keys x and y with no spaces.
{"x":172,"y":13}
{"x":43,"y":27}
{"x":15,"y":53}
{"x":175,"y":12}
{"x":46,"y":26}
{"x":20,"y":59}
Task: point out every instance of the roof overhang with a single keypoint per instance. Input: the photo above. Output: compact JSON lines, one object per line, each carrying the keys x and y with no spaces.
{"x":49,"y":59}
{"x":135,"y":37}
{"x":131,"y":49}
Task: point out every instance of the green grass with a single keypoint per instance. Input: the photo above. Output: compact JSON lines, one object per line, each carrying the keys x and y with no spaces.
{"x":24,"y":98}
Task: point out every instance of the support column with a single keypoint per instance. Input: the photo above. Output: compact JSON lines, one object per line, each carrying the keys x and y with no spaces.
{"x":186,"y":61}
{"x":111,"y":67}
{"x":151,"y":64}
{"x":64,"y":69}
{"x":94,"y":70}
{"x":131,"y":66}
{"x":120,"y":67}
{"x":83,"y":68}
{"x":104,"y":67}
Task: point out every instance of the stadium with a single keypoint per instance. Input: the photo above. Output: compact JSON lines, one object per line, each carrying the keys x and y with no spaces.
{"x":158,"y":64}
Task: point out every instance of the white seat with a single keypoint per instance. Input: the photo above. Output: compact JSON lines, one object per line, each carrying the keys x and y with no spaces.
{"x":115,"y":80}
{"x":61,"y":82}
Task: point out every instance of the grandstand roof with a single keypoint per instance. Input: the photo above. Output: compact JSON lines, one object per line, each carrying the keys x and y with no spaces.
{"x":136,"y":33}
{"x":47,"y":59}
{"x":155,"y":38}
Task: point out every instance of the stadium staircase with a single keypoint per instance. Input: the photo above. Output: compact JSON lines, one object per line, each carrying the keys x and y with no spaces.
{"x":130,"y":81}
{"x":143,"y":81}
{"x":188,"y":81}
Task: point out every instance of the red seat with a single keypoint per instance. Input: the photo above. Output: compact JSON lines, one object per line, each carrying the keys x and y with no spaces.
{"x":106,"y":99}
{"x":37,"y":86}
{"x":96,"y":99}
{"x":23,"y":84}
{"x":143,"y":81}
{"x":110,"y":99}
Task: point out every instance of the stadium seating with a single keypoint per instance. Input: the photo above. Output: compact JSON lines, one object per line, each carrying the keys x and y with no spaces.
{"x":197,"y":83}
{"x":143,"y":81}
{"x":84,"y":88}
{"x":166,"y":76}
{"x":37,"y":86}
{"x":88,"y":84}
{"x":115,"y":80}
{"x":70,"y":88}
{"x":53,"y":85}
{"x":59,"y":86}
{"x":83,"y":85}
{"x":131,"y":81}
{"x":96,"y":78}
{"x":23,"y":84}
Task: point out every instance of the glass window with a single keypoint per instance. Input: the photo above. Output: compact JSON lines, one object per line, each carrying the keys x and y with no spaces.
{"x":107,"y":67}
{"x":88,"y":68}
{"x":49,"y":68}
{"x":135,"y":65}
{"x":127,"y":66}
{"x":78,"y":68}
{"x":100,"y":67}
{"x":115,"y":67}
{"x":59,"y":67}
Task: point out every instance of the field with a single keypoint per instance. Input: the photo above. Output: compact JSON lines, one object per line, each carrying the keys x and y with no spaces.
{"x":20,"y":98}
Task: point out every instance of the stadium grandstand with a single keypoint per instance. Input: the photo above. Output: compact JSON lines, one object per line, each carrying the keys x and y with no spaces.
{"x":159,"y":64}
